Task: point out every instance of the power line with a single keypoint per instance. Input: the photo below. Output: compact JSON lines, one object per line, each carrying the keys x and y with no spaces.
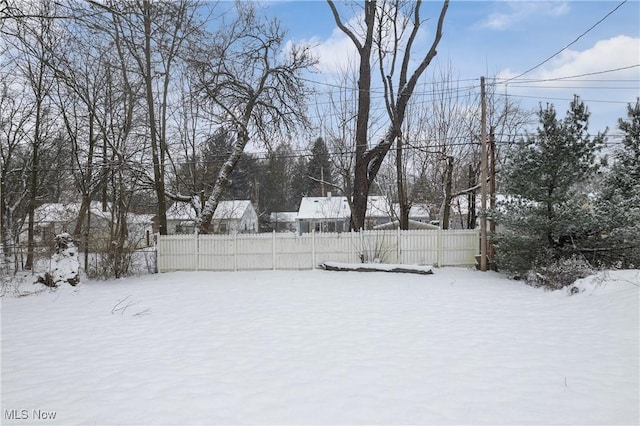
{"x":544,"y":98}
{"x":541,"y":80}
{"x":568,"y":45}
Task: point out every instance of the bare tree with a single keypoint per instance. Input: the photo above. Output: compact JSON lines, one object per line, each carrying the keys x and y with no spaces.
{"x":16,"y":113}
{"x":378,"y":19}
{"x":338,"y":122}
{"x":34,"y":40}
{"x":252,"y":88}
{"x":82,"y":73}
{"x":157,"y":36}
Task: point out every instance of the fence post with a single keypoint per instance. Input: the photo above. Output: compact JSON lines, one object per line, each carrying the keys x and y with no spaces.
{"x":197,"y":249}
{"x":273,"y":249}
{"x":313,"y":248}
{"x":235,"y":252}
{"x":156,"y":237}
{"x":398,"y":248}
{"x":439,"y":247}
{"x":352,"y":248}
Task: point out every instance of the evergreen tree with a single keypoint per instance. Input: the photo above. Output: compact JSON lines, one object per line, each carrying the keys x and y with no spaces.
{"x":298,"y":181}
{"x":619,"y":201}
{"x":548,"y":215}
{"x":197,"y":174}
{"x":319,"y":170}
{"x":275,"y":185}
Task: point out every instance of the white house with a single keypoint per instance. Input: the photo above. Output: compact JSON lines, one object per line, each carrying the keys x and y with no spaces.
{"x":53,"y":218}
{"x":235,"y":217}
{"x":323,"y":214}
{"x":332,"y":214}
{"x":181,"y":219}
{"x":230,"y":217}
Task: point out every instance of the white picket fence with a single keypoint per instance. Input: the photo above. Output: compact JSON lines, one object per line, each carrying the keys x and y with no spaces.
{"x":279,"y":251}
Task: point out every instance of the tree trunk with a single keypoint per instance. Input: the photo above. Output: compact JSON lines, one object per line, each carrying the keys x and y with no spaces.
{"x":368,"y":161}
{"x":403,"y":201}
{"x":222,"y":181}
{"x":156,"y":146}
{"x":471,"y":200}
{"x":33,"y":180}
{"x":448,"y":183}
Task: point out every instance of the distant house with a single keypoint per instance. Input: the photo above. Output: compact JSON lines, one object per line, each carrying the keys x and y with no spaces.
{"x":235,"y":217}
{"x":283,"y":221}
{"x":230,"y":217}
{"x":333,"y":214}
{"x":323,"y":214}
{"x":53,"y":218}
{"x":181,"y":219}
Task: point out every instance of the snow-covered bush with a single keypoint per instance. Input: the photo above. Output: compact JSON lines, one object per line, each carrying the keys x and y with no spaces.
{"x":559,"y":274}
{"x":65,"y":266}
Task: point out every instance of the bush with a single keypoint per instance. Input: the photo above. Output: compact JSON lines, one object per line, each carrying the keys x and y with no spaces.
{"x":560,"y":273}
{"x":518,"y":253}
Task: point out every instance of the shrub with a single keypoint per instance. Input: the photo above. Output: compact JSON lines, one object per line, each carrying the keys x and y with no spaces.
{"x":560,"y":273}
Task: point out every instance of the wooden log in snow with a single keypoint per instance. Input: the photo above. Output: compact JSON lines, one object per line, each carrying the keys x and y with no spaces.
{"x":377,"y":267}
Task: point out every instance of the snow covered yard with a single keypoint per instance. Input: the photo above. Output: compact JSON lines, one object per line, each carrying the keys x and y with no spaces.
{"x":456,"y":347}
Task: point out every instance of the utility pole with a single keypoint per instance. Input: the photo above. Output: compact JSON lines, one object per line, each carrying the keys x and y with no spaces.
{"x":492,"y":192}
{"x":483,"y":178}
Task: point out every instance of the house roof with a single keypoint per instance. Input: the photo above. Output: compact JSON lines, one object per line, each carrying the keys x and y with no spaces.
{"x":417,"y":211}
{"x":233,"y":209}
{"x":67,"y":212}
{"x":413,"y":224}
{"x":333,"y":207}
{"x":324,"y":208}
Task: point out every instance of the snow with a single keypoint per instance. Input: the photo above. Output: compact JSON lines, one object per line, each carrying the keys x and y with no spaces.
{"x":230,"y":209}
{"x":378,"y":267}
{"x":457,"y":347}
{"x":324,"y":208}
{"x":337,"y":207}
{"x":64,"y":263}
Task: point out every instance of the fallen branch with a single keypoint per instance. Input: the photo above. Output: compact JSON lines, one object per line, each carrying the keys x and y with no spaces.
{"x":377,"y":267}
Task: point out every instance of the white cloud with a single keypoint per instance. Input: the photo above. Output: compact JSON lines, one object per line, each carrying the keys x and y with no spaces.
{"x":606,"y":94}
{"x":520,"y":11}
{"x":617,"y":52}
{"x":335,"y":54}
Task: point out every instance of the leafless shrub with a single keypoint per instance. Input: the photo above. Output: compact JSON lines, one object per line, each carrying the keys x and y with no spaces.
{"x":560,"y":274}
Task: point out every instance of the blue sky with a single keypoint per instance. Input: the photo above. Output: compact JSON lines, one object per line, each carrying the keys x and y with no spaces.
{"x":504,"y":39}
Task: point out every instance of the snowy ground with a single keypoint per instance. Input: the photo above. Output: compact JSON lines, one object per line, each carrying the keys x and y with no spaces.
{"x":456,"y":347}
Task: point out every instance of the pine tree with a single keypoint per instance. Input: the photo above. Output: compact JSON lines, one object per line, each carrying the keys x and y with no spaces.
{"x":549,"y":214}
{"x":319,"y":170}
{"x":619,"y":201}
